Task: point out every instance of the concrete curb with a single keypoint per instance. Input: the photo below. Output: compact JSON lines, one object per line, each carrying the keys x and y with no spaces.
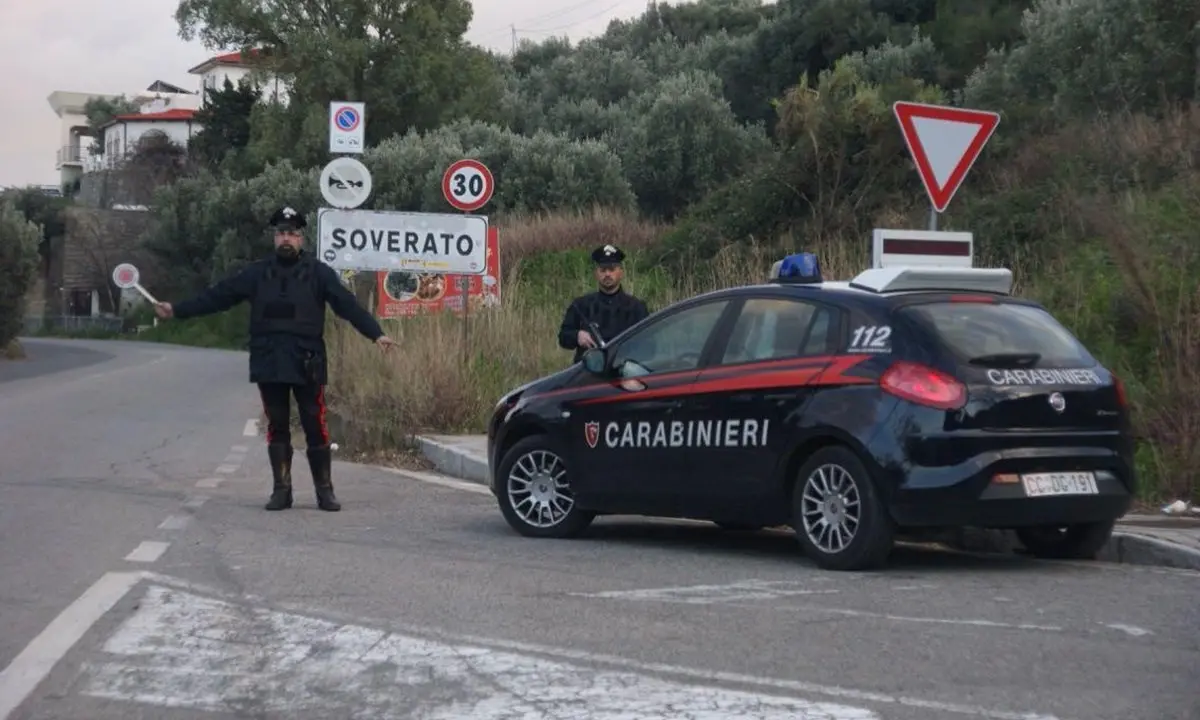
{"x":1138,"y":549}
{"x":454,"y":461}
{"x":1127,"y":546}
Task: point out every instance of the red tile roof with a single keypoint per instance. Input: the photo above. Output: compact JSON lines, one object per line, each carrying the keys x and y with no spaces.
{"x":164,"y":116}
{"x":232,"y":58}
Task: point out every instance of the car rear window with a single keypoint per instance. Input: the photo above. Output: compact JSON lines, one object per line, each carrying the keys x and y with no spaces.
{"x":973,"y":330}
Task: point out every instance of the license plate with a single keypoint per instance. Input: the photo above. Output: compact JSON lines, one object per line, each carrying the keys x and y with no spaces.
{"x":1045,"y":484}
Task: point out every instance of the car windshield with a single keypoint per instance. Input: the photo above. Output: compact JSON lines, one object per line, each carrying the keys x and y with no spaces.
{"x":1003,"y":334}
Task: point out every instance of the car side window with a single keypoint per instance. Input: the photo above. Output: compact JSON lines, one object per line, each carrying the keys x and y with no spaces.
{"x":671,"y":344}
{"x":774,"y":328}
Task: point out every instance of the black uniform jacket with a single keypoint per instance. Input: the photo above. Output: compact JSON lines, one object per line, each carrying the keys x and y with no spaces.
{"x":284,"y":357}
{"x":612,"y":313}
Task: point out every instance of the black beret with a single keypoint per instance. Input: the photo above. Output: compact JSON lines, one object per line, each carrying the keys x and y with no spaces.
{"x":607,"y":255}
{"x":287,"y":217}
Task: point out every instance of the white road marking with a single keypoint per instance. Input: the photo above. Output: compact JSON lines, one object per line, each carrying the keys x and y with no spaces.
{"x":227,"y":469}
{"x":148,"y":551}
{"x":234,"y":459}
{"x":441,"y":480}
{"x":182,"y":650}
{"x":713,"y":594}
{"x":694,"y":675}
{"x":251,"y":428}
{"x":195,"y":501}
{"x":175,"y":522}
{"x":208,"y":483}
{"x":35,"y":662}
{"x":239,"y":449}
{"x":746,"y":590}
{"x":1133,"y":630}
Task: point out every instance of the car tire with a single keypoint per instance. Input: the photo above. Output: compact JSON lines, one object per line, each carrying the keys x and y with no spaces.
{"x":534,"y":453}
{"x":871,"y":528}
{"x":1074,"y":542}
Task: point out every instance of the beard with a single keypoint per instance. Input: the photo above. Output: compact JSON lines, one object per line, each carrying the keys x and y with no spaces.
{"x":286,"y":252}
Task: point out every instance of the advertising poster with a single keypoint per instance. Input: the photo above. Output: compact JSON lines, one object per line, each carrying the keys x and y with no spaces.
{"x":405,"y":294}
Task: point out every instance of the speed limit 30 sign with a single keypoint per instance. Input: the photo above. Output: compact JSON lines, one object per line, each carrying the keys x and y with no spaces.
{"x":468,"y":185}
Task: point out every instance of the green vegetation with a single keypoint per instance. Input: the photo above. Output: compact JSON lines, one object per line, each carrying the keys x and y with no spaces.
{"x":709,"y":137}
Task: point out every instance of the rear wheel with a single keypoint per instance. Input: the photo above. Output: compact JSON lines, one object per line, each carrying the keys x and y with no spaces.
{"x":837,"y":516}
{"x":1073,"y":542}
{"x":535,"y":494}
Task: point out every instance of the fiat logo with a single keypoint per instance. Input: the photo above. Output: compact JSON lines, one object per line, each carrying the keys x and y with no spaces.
{"x":1058,"y":402}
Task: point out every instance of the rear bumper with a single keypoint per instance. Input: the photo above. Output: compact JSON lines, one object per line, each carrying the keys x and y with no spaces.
{"x":967,"y":495}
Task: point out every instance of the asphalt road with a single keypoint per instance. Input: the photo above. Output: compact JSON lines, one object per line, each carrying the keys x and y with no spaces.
{"x":141,"y":579}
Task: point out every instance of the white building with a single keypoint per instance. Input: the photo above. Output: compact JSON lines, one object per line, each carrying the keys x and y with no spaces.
{"x":124,"y":133}
{"x":74,"y":155}
{"x":216,"y":70}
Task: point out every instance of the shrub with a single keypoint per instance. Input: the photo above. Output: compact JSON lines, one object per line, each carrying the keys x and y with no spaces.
{"x":19,"y":241}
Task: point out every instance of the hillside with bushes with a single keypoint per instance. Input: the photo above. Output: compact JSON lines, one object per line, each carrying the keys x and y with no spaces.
{"x":708,"y":138}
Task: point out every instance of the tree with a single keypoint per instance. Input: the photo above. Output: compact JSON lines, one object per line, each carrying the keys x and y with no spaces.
{"x":100,"y":111}
{"x":225,"y":121}
{"x":407,"y":61}
{"x":19,"y":240}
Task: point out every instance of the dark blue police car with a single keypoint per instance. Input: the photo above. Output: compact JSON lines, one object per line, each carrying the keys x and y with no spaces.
{"x":917,"y":397}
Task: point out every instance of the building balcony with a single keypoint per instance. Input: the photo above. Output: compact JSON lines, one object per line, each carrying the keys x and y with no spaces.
{"x":71,"y":155}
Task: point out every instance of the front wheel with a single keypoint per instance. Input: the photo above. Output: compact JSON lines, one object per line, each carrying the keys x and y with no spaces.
{"x":535,"y":494}
{"x":1074,"y":542}
{"x":837,"y":516}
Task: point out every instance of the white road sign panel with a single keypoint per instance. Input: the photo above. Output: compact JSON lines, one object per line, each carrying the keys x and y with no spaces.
{"x":385,"y":240}
{"x":345,"y":183}
{"x":347,"y":127}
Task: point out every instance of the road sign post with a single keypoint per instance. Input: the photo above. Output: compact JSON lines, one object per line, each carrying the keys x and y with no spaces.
{"x":467,"y":185}
{"x":944,"y":143}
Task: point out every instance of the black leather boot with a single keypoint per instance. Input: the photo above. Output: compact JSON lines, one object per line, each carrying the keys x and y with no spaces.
{"x":281,"y":472}
{"x":320,"y":459}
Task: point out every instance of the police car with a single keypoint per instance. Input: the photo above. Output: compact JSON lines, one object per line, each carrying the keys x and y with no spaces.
{"x":918,"y":397}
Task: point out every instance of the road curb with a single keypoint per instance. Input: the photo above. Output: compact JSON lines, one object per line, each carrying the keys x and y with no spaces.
{"x":1126,"y":546}
{"x":1137,"y":549}
{"x":454,"y":461}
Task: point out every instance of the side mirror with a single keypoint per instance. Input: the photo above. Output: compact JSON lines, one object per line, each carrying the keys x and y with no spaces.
{"x":595,"y":360}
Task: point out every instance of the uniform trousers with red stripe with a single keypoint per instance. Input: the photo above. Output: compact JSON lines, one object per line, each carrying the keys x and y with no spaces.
{"x":310,"y":401}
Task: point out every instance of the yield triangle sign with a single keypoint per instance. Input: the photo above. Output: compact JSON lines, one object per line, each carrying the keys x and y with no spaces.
{"x":944,"y":143}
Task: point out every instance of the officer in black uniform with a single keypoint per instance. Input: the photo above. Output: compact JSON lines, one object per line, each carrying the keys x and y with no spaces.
{"x":287,"y":293}
{"x":610,"y":308}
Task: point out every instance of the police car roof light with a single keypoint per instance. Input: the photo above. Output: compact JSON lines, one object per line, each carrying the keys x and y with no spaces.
{"x":797,"y":268}
{"x":935,"y":278}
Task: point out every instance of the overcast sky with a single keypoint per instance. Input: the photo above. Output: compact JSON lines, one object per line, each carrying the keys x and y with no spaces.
{"x":115,"y":46}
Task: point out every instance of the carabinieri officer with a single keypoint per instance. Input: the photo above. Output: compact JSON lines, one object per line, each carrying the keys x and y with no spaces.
{"x":287,"y":292}
{"x":611,"y":308}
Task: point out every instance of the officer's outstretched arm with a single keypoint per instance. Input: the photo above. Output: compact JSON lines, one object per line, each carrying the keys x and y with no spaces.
{"x":345,"y":305}
{"x":568,"y":331}
{"x":234,"y":289}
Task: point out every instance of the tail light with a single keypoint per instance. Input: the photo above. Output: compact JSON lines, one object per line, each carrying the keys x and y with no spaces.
{"x":924,"y":386}
{"x":1122,"y":400}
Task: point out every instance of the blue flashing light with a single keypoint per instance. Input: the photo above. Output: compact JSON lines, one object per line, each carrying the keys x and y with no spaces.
{"x":799,"y":268}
